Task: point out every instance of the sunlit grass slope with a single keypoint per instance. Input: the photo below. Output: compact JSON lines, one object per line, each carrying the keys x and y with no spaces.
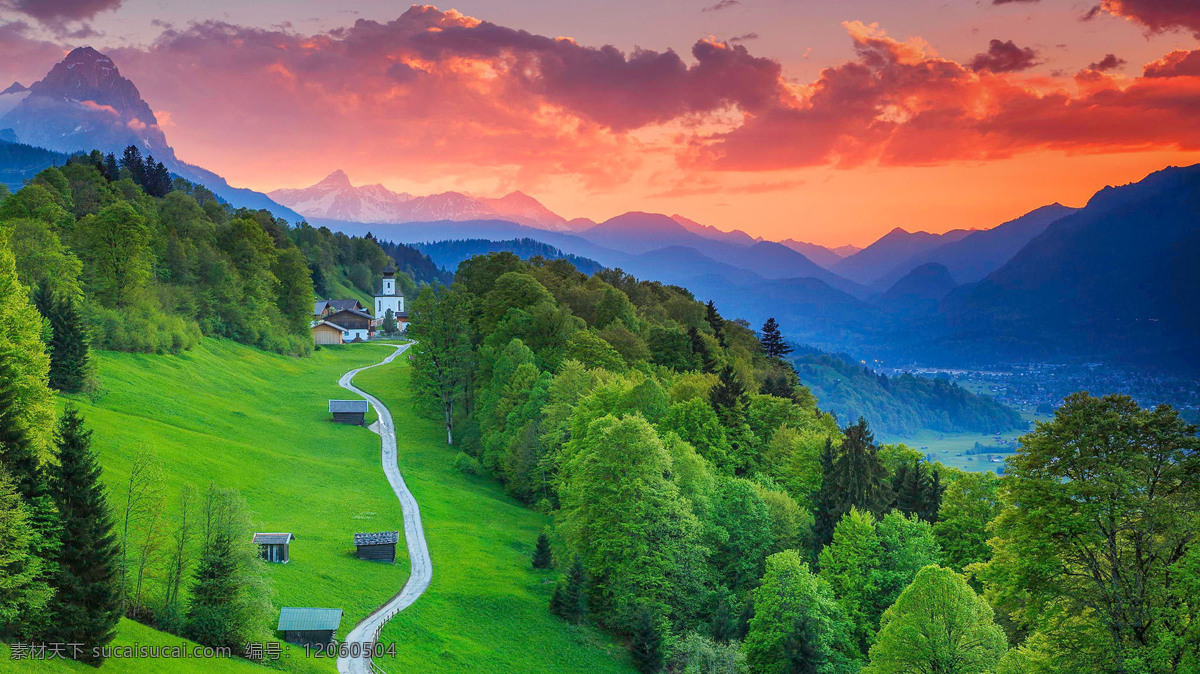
{"x":229,"y":415}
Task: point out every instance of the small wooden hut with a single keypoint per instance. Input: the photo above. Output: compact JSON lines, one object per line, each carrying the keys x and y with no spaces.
{"x":309,"y":626}
{"x":377,"y":547}
{"x":348,"y":411}
{"x":274,"y":547}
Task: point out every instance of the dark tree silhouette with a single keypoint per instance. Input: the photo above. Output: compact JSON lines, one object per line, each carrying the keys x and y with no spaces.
{"x":772,"y":340}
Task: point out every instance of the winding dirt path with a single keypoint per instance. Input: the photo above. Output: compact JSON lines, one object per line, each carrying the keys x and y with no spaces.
{"x":367,"y":631}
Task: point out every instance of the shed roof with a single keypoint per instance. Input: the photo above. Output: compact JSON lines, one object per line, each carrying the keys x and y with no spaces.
{"x":334,"y":326}
{"x":273,"y":539}
{"x":379,"y":538}
{"x":347,"y":406}
{"x":304,"y":619}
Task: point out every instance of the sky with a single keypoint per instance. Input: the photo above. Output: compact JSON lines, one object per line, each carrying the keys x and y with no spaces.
{"x":824,"y":122}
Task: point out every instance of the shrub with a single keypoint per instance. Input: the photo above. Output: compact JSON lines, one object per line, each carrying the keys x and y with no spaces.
{"x":467,"y":464}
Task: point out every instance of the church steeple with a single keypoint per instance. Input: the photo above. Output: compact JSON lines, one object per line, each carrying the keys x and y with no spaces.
{"x":387,"y":297}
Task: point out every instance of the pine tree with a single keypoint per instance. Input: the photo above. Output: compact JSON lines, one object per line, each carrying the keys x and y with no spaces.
{"x":131,"y":160}
{"x":860,"y":476}
{"x":543,"y":558}
{"x":85,"y":607}
{"x":704,"y":358}
{"x":778,"y":385}
{"x":772,"y":341}
{"x":931,"y":499}
{"x":70,"y":357}
{"x":729,"y":399}
{"x":910,"y":485}
{"x":715,"y":321}
{"x":646,"y":647}
{"x":111,"y":170}
{"x":828,"y":503}
{"x":569,"y":601}
{"x":214,"y":592}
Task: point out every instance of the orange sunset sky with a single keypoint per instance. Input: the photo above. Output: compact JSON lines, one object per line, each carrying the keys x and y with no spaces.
{"x":830,"y":124}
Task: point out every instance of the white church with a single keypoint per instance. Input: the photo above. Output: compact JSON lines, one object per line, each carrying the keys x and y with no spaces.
{"x":387,"y":298}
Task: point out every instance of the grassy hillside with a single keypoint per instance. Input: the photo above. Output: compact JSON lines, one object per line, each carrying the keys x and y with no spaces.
{"x":486,"y":609}
{"x":238,"y":417}
{"x":131,"y":634}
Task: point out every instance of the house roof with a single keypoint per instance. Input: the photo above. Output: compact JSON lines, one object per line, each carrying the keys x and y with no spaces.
{"x":320,"y":306}
{"x":335,"y":326}
{"x":379,"y":538}
{"x":303,"y":619}
{"x":355,"y":312}
{"x":273,"y":539}
{"x":348,"y":406}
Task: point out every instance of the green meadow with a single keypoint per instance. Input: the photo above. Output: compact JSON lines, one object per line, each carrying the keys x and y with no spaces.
{"x":233,"y":416}
{"x":486,"y":608}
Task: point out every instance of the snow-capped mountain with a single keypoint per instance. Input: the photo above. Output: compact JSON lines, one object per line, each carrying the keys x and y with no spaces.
{"x":335,"y":198}
{"x":84,"y":104}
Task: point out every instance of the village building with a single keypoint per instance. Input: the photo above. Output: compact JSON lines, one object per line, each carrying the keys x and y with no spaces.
{"x":388,"y":298}
{"x":348,"y":411}
{"x":309,"y":626}
{"x":274,"y":547}
{"x":322,"y":308}
{"x":377,"y":547}
{"x":355,"y":325}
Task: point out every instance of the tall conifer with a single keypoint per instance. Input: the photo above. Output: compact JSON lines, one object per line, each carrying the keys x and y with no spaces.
{"x":85,"y":607}
{"x":70,"y":356}
{"x":772,"y":340}
{"x":860,"y":477}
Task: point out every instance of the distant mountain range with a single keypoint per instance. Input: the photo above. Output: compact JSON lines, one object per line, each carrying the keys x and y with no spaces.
{"x":84,"y":103}
{"x":335,"y":198}
{"x":1118,"y":278}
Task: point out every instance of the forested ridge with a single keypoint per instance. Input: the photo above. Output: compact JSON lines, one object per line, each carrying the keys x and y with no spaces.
{"x":711,"y":515}
{"x":151,"y":263}
{"x":901,"y":404}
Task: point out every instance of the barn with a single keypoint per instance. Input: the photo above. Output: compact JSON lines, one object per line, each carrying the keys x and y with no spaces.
{"x":356,"y":325}
{"x":325,"y":333}
{"x":309,"y":626}
{"x":377,"y":547}
{"x":348,"y":411}
{"x":274,"y":547}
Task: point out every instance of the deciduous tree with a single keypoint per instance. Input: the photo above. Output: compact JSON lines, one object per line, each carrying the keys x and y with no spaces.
{"x":938,"y":625}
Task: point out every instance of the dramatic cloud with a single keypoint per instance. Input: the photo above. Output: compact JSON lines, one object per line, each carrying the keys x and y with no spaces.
{"x":1155,"y":15}
{"x":1005,"y":57}
{"x":1179,"y":63}
{"x":898,"y":104}
{"x":437,"y":93}
{"x":1109,"y":62}
{"x":56,"y":14}
{"x":1007,"y":2}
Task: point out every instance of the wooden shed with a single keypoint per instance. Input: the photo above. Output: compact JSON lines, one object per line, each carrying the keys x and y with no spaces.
{"x":348,"y":411}
{"x":309,"y":626}
{"x":274,"y":547}
{"x":326,"y":333}
{"x":377,"y":547}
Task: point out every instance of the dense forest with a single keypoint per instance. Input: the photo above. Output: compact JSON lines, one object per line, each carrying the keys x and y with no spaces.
{"x":712,"y":516}
{"x":151,"y":263}
{"x":449,"y":254}
{"x":899,"y":405}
